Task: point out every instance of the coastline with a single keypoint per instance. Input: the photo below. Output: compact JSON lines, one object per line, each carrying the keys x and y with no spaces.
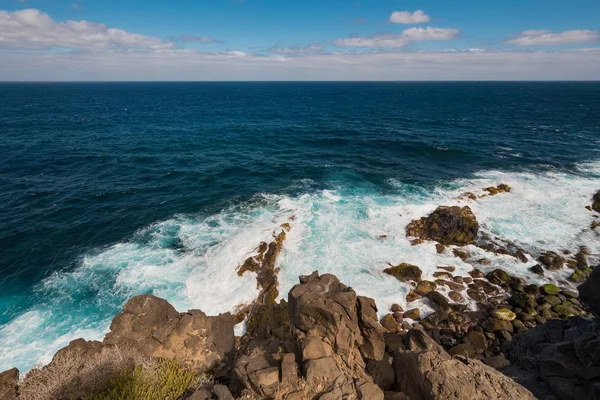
{"x":507,"y":307}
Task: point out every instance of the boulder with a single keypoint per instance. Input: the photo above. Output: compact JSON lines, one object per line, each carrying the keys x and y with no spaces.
{"x":405,"y":272}
{"x":425,"y":287}
{"x":158,"y":330}
{"x":425,"y":371}
{"x":503,"y":314}
{"x":596,"y":201}
{"x":412,"y":296}
{"x":438,"y":302}
{"x":414,"y":314}
{"x":498,"y":277}
{"x":446,"y":225}
{"x":549,"y":289}
{"x":551,"y":260}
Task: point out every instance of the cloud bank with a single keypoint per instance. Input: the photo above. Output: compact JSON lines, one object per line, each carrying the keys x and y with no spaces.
{"x":390,"y":40}
{"x":544,"y":37}
{"x":34,"y":30}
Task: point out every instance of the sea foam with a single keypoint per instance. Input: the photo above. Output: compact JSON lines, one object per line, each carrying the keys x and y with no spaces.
{"x":352,"y":232}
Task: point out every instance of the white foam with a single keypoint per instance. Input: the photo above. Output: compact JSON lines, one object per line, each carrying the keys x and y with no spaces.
{"x":351,"y":232}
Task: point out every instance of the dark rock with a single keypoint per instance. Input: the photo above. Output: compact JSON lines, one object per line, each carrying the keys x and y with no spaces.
{"x":446,"y":225}
{"x":456,"y":296}
{"x":589,"y":291}
{"x":497,"y":362}
{"x":396,"y":308}
{"x":537,"y":269}
{"x":562,"y":354}
{"x":476,"y":295}
{"x":438,"y":302}
{"x":551,"y":260}
{"x":448,"y":268}
{"x":412,"y":296}
{"x":462,"y":349}
{"x":382,"y":373}
{"x":522,"y":300}
{"x":463,"y":255}
{"x":442,"y":275}
{"x":414,"y":314}
{"x":498,"y":277}
{"x":475,"y":274}
{"x":596,"y":201}
{"x":425,"y":287}
{"x":478,"y":341}
{"x":405,"y":272}
{"x":494,"y":190}
{"x":440,"y":248}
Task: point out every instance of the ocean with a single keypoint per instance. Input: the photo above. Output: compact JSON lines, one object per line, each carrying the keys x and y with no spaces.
{"x":110,"y":190}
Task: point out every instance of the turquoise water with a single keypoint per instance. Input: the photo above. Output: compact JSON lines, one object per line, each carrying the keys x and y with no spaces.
{"x":112,"y":190}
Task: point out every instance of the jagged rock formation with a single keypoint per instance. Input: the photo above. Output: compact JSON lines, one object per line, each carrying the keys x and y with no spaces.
{"x":154,"y":327}
{"x":333,"y":347}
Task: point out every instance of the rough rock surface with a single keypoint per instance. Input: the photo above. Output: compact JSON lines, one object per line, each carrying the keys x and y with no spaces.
{"x":9,"y":383}
{"x":596,"y":201}
{"x":589,"y":291}
{"x":564,"y":354}
{"x":446,"y":225}
{"x":158,"y":330}
{"x":425,"y":371}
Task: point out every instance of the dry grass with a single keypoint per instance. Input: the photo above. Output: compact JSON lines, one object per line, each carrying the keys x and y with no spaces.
{"x":73,"y":374}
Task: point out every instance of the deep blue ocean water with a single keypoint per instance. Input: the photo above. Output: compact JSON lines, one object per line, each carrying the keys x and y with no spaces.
{"x":108,"y":190}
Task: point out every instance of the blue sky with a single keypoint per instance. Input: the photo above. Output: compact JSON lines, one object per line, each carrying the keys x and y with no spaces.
{"x":278,"y":39}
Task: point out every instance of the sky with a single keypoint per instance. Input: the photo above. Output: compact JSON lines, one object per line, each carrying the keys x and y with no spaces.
{"x":231,"y":40}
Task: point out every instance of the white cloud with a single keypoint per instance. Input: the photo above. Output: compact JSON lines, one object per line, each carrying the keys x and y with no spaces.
{"x":193,"y":39}
{"x":406,"y":17}
{"x":382,"y":40}
{"x":544,"y":37}
{"x":390,"y":40}
{"x":420,"y":34}
{"x":32,"y":29}
{"x":311,"y":48}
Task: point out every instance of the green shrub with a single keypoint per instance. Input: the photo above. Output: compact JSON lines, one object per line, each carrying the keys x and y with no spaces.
{"x":164,"y":379}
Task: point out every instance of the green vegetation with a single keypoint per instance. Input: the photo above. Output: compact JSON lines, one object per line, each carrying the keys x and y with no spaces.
{"x":163,"y":380}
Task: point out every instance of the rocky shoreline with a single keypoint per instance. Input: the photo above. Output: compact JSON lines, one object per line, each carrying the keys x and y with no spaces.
{"x":327,"y":342}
